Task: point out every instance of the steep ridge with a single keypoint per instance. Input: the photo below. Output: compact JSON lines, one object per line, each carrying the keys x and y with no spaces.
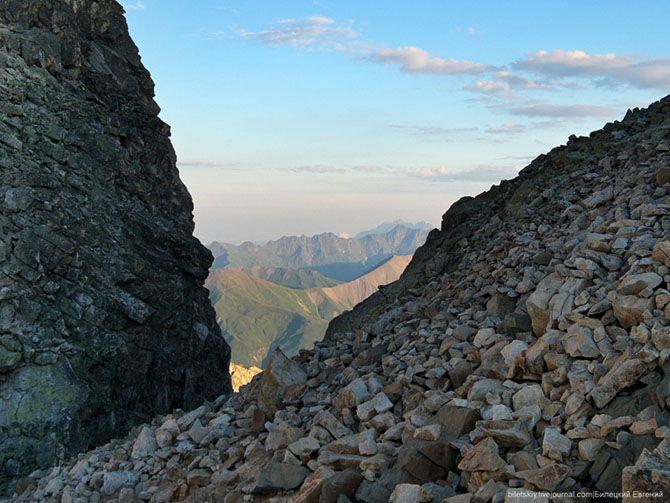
{"x":104,"y":321}
{"x":257,"y":316}
{"x":351,"y":293}
{"x":292,"y":278}
{"x":525,"y":351}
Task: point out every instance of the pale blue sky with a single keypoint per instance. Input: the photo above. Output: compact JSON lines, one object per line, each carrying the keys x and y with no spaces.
{"x":300,"y":117}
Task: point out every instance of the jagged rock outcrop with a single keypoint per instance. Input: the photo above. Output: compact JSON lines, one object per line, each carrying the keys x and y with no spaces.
{"x":526,"y":351}
{"x":241,"y":376}
{"x":104,"y":320}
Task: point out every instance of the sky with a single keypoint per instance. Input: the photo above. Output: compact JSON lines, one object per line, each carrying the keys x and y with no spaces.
{"x":302,"y":117}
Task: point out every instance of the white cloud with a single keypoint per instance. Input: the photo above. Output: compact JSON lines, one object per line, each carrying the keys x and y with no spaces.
{"x":607,"y":69}
{"x":519,"y":82}
{"x":318,"y":169}
{"x":313,"y":31}
{"x":489,"y":86}
{"x":506,"y":82}
{"x":480,"y":174}
{"x":563,"y":111}
{"x":471,"y":31}
{"x":415,"y":60}
{"x":507,"y":128}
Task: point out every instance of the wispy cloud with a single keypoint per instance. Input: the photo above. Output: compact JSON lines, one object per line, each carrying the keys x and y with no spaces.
{"x":314,"y":31}
{"x":479,"y":174}
{"x":507,"y":128}
{"x":317,"y":169}
{"x":505,"y":82}
{"x":606,"y":69}
{"x":415,"y":60}
{"x":376,"y":168}
{"x":430,"y":130}
{"x":138,"y":5}
{"x":561,"y":111}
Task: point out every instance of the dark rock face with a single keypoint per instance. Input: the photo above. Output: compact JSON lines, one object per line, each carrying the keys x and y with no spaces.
{"x":104,"y":320}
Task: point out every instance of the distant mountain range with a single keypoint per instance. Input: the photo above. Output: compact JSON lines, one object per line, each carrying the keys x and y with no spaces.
{"x":284,"y":293}
{"x":387,"y":226}
{"x":343,"y":259}
{"x":257,"y":315}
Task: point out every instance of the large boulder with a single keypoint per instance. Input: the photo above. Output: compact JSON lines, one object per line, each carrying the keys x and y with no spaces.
{"x":279,"y":374}
{"x":104,"y":320}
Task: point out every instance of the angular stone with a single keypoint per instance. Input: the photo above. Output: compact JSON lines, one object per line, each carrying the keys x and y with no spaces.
{"x":428,"y":432}
{"x":589,"y":448}
{"x":409,"y":493}
{"x":419,"y":460}
{"x":310,"y":491}
{"x":340,"y":461}
{"x":113,"y":481}
{"x":275,"y":477}
{"x":464,"y":332}
{"x":598,"y":198}
{"x":304,"y":446}
{"x":344,"y":483}
{"x":500,"y":304}
{"x":185,"y":421}
{"x":631,"y":310}
{"x":330,"y":423}
{"x":506,"y":433}
{"x":554,"y":445}
{"x":512,"y":350}
{"x":660,"y":337}
{"x":546,"y":478}
{"x":538,"y":302}
{"x":661,"y":251}
{"x":353,"y":394}
{"x":380,"y":403}
{"x":648,"y":480}
{"x":145,"y":444}
{"x":528,"y":395}
{"x":198,"y":477}
{"x":624,"y":375}
{"x":279,"y":373}
{"x":634,"y":283}
{"x":281,"y":436}
{"x":579,"y":342}
{"x":166,"y":434}
{"x":483,"y":457}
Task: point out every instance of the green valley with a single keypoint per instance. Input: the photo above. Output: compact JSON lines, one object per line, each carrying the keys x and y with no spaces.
{"x":257,"y":315}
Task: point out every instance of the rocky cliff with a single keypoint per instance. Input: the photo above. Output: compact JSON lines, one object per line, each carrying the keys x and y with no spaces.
{"x":104,"y":320}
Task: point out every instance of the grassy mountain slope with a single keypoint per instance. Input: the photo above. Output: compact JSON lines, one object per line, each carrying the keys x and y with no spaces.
{"x":256,"y":315}
{"x":353,"y":292}
{"x":292,"y":278}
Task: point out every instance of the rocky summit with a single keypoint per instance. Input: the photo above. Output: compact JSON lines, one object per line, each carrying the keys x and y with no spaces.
{"x":104,"y":320}
{"x":523,"y":356}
